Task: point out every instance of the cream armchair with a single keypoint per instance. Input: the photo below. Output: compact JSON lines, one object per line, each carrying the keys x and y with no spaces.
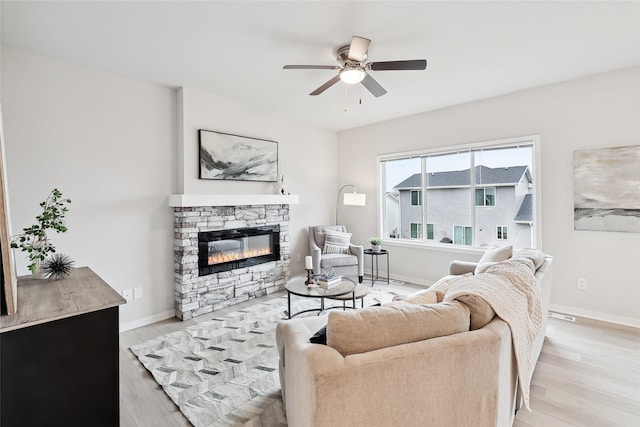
{"x":349,"y":264}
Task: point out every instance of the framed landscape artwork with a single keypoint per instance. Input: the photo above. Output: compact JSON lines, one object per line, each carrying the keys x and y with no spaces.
{"x":225,"y":156}
{"x":607,"y":189}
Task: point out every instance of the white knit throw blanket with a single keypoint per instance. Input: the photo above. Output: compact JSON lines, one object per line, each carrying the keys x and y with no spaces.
{"x":511,"y":289}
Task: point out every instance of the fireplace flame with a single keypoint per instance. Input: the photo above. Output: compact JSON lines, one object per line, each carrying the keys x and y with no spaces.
{"x":218,"y":257}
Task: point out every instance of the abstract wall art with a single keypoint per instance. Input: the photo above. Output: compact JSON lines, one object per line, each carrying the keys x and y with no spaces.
{"x":607,"y":189}
{"x":232,"y":157}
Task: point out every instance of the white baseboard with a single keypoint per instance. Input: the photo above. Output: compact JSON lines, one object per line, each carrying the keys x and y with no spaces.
{"x":147,"y":320}
{"x":596,"y":315}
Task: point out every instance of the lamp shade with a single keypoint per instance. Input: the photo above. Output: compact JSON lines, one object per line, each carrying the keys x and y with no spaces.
{"x":354,"y":199}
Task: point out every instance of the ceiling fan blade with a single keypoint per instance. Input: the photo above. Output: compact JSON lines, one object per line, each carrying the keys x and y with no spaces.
{"x":310,"y":67}
{"x":326,"y":86}
{"x":358,"y":48}
{"x":373,"y":86}
{"x":414,"y":64}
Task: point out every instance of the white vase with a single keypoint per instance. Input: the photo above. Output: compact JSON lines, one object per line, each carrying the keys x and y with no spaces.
{"x":376,"y":248}
{"x":38,"y":273}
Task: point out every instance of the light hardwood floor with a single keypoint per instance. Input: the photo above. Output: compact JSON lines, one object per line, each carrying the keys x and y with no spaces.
{"x":588,"y":375}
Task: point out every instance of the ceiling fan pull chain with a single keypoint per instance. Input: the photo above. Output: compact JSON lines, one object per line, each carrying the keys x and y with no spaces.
{"x":360,"y":101}
{"x":345,"y":98}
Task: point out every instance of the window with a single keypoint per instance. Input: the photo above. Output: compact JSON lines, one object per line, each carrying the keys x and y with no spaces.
{"x":416,"y":230}
{"x":502,"y":232}
{"x":486,"y":196}
{"x":429,"y":231}
{"x":462,"y":235}
{"x":446,"y":193}
{"x":416,"y":198}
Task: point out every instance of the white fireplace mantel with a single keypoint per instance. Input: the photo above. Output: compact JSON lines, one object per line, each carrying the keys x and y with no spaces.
{"x":194,"y":200}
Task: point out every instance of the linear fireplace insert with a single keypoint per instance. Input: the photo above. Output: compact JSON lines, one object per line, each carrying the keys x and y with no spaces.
{"x":224,"y":250}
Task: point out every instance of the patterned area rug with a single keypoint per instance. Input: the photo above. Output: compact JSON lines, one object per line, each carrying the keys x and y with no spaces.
{"x":224,"y":371}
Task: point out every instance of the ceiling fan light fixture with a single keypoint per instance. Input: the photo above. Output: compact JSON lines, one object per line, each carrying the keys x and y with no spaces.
{"x":352,"y":76}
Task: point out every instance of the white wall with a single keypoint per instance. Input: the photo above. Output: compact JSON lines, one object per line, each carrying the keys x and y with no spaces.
{"x":594,"y":112}
{"x":114,"y":146}
{"x":108,"y":143}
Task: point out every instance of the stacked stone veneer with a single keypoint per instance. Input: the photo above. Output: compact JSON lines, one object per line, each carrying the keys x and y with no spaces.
{"x":196,"y":295}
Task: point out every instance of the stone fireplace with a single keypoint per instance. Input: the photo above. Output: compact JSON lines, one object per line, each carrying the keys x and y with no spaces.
{"x":219,"y":258}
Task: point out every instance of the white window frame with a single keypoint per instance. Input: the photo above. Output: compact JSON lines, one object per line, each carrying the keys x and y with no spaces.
{"x":484,"y":197}
{"x":501,"y":231}
{"x":533,"y":140}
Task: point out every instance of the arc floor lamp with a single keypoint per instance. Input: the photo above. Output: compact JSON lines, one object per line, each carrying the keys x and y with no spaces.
{"x":350,"y":199}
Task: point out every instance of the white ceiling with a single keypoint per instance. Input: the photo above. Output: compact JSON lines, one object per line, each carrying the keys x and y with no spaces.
{"x":474,"y":49}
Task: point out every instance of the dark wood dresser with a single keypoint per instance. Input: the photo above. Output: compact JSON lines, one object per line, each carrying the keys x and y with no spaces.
{"x":59,"y":353}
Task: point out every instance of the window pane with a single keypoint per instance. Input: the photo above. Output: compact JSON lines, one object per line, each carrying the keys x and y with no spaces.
{"x":430,"y":231}
{"x":400,"y":177}
{"x":416,"y":197}
{"x":490,"y":196}
{"x":468,"y":236}
{"x":416,"y":231}
{"x":447,"y":199}
{"x":505,"y":174}
{"x":479,"y":196}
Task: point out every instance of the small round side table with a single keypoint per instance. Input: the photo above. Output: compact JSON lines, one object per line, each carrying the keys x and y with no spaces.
{"x":374,"y":256}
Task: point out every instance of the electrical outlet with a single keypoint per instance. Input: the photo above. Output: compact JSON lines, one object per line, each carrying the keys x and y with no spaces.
{"x":581,"y":284}
{"x":126,"y":294}
{"x":137,"y":293}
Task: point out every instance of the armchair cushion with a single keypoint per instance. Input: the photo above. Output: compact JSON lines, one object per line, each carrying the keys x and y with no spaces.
{"x":338,"y":260}
{"x":336,"y":242}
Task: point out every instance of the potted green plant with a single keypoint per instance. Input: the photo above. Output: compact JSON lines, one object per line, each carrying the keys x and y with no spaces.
{"x":34,"y":240}
{"x":375,"y":244}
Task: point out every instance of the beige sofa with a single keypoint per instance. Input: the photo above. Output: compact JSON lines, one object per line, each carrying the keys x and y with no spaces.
{"x":444,"y":378}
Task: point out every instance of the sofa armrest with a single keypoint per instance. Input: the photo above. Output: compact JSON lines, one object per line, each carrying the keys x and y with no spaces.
{"x":301,"y":363}
{"x":461,"y":267}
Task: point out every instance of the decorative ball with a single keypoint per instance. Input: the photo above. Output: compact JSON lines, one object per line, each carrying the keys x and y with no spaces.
{"x":57,"y":266}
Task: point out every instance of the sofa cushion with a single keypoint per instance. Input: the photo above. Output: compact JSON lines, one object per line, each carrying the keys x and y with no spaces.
{"x":536,"y":256}
{"x":372,"y":328}
{"x":493,"y":255}
{"x":442,"y":285}
{"x":336,"y":242}
{"x":319,"y":337}
{"x":425,"y":296}
{"x":480,"y":311}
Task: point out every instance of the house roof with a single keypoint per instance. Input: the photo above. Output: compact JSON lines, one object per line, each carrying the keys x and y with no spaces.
{"x":525,"y":213}
{"x":484,"y":175}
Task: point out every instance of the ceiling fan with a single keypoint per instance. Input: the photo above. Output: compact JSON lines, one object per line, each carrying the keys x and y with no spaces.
{"x":353,"y":69}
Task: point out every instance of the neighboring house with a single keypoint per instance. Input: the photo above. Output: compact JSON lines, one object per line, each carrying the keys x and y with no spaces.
{"x":502,"y":200}
{"x":392,"y":217}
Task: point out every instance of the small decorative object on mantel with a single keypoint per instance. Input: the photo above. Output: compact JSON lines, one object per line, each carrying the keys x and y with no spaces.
{"x":376,"y":243}
{"x":34,"y":240}
{"x":57,"y":266}
{"x":280,"y":184}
